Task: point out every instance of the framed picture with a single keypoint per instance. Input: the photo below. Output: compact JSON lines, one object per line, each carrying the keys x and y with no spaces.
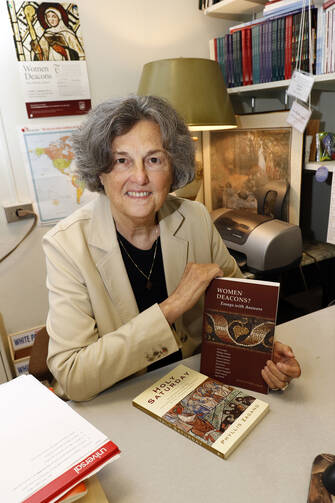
{"x":238,"y":162}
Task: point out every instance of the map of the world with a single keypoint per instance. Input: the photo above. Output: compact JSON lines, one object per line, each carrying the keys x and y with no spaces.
{"x":57,"y":189}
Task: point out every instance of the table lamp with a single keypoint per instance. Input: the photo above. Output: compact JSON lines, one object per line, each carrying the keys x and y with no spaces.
{"x":194,"y":87}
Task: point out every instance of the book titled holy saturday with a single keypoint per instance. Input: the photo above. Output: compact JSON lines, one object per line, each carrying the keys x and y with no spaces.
{"x":212,"y":414}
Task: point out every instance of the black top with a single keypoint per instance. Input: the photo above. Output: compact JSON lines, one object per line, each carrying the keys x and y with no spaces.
{"x":147,"y":297}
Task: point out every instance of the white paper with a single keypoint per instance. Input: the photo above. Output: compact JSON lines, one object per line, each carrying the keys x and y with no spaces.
{"x":41,"y":437}
{"x":301,"y":85}
{"x":299,"y":116}
{"x":331,"y":219}
{"x":54,"y":81}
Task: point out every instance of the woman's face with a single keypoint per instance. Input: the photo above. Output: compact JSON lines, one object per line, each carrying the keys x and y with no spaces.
{"x":52,"y":18}
{"x":141,"y":174}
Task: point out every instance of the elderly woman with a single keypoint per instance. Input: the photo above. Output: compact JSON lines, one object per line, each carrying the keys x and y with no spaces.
{"x":127,"y":272}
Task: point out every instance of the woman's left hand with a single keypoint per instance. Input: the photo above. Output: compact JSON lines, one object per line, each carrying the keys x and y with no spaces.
{"x":282,"y":369}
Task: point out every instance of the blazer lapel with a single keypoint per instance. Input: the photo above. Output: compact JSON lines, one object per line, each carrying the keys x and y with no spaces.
{"x":106,"y":253}
{"x":174,"y":247}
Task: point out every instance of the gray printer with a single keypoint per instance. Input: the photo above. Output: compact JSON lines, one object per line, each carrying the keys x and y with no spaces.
{"x":267,"y":243}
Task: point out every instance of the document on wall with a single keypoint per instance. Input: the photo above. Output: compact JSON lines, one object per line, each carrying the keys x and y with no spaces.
{"x":55,"y":187}
{"x":51,"y":58}
{"x":331,"y":219}
{"x":47,"y":447}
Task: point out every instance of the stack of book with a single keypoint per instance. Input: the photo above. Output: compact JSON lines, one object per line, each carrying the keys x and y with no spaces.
{"x":48,"y":447}
{"x":267,"y":49}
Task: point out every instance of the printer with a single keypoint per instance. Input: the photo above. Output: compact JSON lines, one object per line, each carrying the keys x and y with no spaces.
{"x":267,"y":243}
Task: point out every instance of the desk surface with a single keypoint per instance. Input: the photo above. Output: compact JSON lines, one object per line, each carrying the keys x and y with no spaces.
{"x":273,"y":464}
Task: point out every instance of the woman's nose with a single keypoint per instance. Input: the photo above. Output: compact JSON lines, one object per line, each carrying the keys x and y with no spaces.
{"x":139,"y":173}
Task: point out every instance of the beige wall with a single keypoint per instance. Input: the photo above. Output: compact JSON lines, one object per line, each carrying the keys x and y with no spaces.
{"x":119,"y":38}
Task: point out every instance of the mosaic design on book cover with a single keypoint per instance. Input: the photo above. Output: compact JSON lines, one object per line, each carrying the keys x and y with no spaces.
{"x":244,"y":331}
{"x":208,"y":410}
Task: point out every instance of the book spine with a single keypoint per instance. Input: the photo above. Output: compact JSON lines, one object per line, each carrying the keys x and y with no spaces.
{"x":288,"y":47}
{"x":75,"y":474}
{"x":319,"y":39}
{"x":249,"y":54}
{"x":274,"y":64}
{"x":222,"y":61}
{"x":282,"y":49}
{"x":255,"y":54}
{"x":261,"y":53}
{"x":212,"y":49}
{"x":245,"y":74}
{"x":227,"y":61}
{"x":231,"y":60}
{"x":239,"y":60}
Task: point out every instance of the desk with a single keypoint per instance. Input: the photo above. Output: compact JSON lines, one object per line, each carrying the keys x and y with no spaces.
{"x":273,"y":464}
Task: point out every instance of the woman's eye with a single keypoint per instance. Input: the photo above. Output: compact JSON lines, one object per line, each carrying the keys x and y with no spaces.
{"x":154,"y":160}
{"x":122,"y":162}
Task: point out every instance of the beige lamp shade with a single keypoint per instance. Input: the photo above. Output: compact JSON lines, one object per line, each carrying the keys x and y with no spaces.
{"x":194,"y":87}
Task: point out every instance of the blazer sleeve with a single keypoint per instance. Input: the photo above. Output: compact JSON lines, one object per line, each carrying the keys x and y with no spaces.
{"x":82,"y":361}
{"x":220,"y":253}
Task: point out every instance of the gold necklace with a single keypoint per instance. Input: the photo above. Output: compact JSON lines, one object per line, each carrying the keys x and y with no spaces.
{"x":148,"y":284}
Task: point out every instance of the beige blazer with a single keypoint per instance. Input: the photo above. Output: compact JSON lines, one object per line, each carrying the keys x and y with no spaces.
{"x":97,"y":335}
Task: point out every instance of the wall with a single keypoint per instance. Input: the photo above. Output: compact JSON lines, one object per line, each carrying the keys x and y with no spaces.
{"x":119,"y":37}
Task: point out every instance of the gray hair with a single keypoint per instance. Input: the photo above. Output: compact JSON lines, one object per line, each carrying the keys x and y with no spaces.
{"x":115,"y":117}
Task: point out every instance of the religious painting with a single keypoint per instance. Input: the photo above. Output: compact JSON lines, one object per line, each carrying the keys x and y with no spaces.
{"x":51,"y":57}
{"x":262,"y":151}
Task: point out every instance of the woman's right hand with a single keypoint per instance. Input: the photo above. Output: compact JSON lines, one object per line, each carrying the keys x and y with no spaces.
{"x":193,"y":283}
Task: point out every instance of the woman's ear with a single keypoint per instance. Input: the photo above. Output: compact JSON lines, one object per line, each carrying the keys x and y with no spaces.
{"x":101,"y":180}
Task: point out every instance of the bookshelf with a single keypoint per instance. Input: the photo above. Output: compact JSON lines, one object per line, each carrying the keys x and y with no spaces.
{"x":272,"y":96}
{"x":324,"y":82}
{"x":246,"y":10}
{"x":235,"y":9}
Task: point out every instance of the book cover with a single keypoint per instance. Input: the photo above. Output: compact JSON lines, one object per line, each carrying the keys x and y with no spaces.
{"x":212,"y":414}
{"x":89,"y":491}
{"x":76,"y":493}
{"x":58,"y":450}
{"x":238,"y":331}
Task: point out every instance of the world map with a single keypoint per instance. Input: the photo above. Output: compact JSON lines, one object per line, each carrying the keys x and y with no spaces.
{"x":58,"y":191}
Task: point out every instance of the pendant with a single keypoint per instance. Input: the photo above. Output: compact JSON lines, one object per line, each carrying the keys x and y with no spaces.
{"x":148,"y":285}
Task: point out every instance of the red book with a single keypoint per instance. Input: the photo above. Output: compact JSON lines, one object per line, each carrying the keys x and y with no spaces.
{"x":288,"y":47}
{"x":238,"y":331}
{"x":74,"y":494}
{"x":245,"y":67}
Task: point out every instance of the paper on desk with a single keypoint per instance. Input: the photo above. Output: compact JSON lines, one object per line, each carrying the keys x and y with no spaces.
{"x":45,"y":445}
{"x":331,"y":219}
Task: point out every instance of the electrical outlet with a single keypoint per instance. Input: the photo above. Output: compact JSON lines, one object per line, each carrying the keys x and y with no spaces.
{"x":11,"y":212}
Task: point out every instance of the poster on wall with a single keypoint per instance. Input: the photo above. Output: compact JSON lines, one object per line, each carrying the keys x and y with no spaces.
{"x":55,"y":186}
{"x":51,"y":58}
